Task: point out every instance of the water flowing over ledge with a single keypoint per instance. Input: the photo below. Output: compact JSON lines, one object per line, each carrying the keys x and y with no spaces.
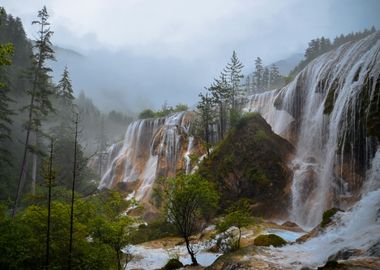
{"x":152,"y":148}
{"x":326,"y":113}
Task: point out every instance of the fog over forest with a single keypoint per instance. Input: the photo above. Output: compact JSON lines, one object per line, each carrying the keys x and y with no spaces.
{"x":144,"y":53}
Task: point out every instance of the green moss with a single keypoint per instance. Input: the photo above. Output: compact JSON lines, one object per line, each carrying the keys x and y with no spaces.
{"x":373,"y":108}
{"x":194,"y":157}
{"x":249,"y":163}
{"x":327,"y":215}
{"x":261,"y":135}
{"x":329,"y":102}
{"x":258,"y":176}
{"x":269,"y":240}
{"x":172,"y":264}
{"x":243,"y":121}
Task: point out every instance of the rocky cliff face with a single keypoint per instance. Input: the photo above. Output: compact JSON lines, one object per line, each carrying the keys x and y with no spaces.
{"x":152,"y":148}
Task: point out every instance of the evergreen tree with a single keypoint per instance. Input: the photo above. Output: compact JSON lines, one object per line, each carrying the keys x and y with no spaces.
{"x":275,"y":77}
{"x":265,"y":81}
{"x":248,"y":84}
{"x":258,"y":75}
{"x":318,"y":46}
{"x":6,"y":52}
{"x":40,"y":104}
{"x":232,"y":73}
{"x":206,"y":112}
{"x":65,"y":89}
{"x":220,"y":93}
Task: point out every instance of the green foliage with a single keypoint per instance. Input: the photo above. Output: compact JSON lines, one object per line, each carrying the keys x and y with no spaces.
{"x":165,"y":111}
{"x":321,"y":45}
{"x":64,"y":158}
{"x":65,"y":89}
{"x":232,"y":74}
{"x":148,"y":113}
{"x":157,"y":229}
{"x":181,"y":107}
{"x":190,"y":199}
{"x":261,"y":135}
{"x":330,"y":98}
{"x":327,"y":215}
{"x":257,"y":176}
{"x":172,"y":264}
{"x":269,"y":240}
{"x":238,"y":215}
{"x":6,"y":52}
{"x":206,"y":119}
{"x":100,"y":232}
{"x":244,"y":165}
{"x":23,"y":242}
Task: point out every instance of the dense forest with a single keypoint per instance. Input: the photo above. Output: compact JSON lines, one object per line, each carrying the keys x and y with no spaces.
{"x":47,"y":138}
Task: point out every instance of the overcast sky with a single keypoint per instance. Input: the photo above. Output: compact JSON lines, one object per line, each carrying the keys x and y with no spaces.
{"x":142,"y":52}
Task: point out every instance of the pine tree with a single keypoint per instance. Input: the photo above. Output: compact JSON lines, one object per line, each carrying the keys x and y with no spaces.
{"x":258,"y":74}
{"x":206,"y":113}
{"x":232,"y":73}
{"x":40,"y":104}
{"x":6,"y":52}
{"x":265,"y":82}
{"x":248,"y":84}
{"x":65,"y":88}
{"x":220,"y":93}
{"x":275,"y":77}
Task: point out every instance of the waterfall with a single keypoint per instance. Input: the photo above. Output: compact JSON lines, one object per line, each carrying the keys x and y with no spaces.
{"x":187,"y":155}
{"x":152,"y":148}
{"x":325,"y":113}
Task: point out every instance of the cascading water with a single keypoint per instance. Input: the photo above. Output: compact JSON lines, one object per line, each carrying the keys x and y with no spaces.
{"x":152,"y":148}
{"x":187,"y":155}
{"x":324,"y":112}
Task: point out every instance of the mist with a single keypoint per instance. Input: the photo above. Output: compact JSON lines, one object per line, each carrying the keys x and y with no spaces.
{"x":144,"y":54}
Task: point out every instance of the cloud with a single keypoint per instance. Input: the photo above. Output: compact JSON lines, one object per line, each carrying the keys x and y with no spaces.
{"x":170,"y":49}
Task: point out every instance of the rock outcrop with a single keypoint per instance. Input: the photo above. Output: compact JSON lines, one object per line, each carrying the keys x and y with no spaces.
{"x":251,"y":162}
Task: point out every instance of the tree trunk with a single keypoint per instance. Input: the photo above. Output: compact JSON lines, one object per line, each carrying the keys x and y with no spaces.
{"x":192,"y":255}
{"x":118,"y":259}
{"x":25,"y":158}
{"x":34,"y":166}
{"x":49,"y":206}
{"x":221,"y":122}
{"x":238,"y":243}
{"x":72,"y":193}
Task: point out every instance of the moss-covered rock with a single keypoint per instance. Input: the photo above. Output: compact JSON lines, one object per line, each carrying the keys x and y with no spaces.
{"x":172,"y":264}
{"x":269,"y":240}
{"x":327,"y":215}
{"x":251,"y":162}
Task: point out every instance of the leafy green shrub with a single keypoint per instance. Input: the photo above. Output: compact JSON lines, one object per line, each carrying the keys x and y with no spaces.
{"x":152,"y":231}
{"x":238,"y":215}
